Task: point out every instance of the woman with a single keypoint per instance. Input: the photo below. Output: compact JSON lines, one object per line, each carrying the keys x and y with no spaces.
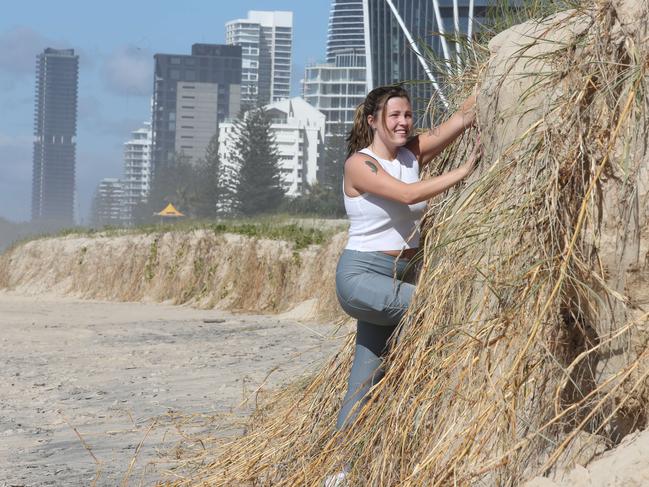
{"x":384,"y":200}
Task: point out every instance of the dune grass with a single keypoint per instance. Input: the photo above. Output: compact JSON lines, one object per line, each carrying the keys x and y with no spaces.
{"x":501,"y":369}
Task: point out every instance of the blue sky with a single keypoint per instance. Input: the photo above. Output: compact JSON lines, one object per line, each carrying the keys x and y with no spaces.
{"x":116,"y":41}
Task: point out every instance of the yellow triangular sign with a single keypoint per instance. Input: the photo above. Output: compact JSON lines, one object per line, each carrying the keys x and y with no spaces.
{"x":170,"y":210}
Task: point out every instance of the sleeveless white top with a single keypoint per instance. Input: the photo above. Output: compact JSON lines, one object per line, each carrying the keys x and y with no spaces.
{"x":377,"y":223}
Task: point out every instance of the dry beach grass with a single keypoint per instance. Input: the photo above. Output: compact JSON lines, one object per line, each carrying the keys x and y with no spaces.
{"x":525,"y":349}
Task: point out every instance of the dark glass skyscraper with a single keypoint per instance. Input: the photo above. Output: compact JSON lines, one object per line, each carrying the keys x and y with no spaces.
{"x":191,"y":94}
{"x":392,"y":59}
{"x":55,"y":128}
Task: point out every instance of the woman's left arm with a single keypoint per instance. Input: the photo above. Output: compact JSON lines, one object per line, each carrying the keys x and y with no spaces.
{"x":427,"y":145}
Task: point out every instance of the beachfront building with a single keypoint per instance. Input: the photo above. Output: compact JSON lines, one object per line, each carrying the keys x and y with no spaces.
{"x":299,"y":131}
{"x":108,"y":207}
{"x":346,"y":32}
{"x":266,"y":41}
{"x":55,"y":129}
{"x":336,"y":87}
{"x":191,"y":95}
{"x":137,"y":169}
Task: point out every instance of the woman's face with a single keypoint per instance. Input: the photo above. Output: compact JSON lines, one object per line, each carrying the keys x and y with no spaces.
{"x":397,"y":114}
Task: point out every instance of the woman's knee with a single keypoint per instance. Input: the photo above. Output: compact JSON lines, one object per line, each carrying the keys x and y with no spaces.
{"x":373,"y":337}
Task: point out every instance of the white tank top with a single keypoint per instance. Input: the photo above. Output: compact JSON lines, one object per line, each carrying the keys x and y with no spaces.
{"x":377,"y":223}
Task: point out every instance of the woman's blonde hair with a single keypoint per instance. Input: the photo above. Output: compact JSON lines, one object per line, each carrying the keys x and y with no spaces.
{"x":361,"y":134}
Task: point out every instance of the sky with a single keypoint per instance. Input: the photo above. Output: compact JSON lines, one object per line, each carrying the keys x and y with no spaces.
{"x":116,"y":42}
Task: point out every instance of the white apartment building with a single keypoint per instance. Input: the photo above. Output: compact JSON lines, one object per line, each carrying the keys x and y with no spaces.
{"x":266,"y":40}
{"x":299,"y":131}
{"x":108,"y":205}
{"x":336,"y":89}
{"x":137,"y":169}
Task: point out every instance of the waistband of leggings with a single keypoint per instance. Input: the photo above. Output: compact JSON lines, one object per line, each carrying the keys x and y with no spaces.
{"x":373,"y":254}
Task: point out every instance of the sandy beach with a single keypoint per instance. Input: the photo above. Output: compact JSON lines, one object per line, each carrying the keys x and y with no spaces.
{"x":84,"y":383}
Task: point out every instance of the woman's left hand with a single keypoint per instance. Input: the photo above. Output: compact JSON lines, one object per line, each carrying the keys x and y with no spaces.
{"x":467,"y":112}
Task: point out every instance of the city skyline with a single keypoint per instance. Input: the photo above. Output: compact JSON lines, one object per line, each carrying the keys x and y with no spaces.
{"x":126,"y":77}
{"x":115,"y":77}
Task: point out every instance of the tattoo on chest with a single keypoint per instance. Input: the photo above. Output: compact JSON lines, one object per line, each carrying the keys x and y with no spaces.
{"x":372,"y":167}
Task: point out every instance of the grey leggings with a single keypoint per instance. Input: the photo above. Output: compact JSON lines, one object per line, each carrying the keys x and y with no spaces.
{"x":368,"y":291}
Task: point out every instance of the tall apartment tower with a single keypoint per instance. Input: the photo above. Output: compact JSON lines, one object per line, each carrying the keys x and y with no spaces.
{"x":266,"y":40}
{"x":336,"y":87}
{"x":137,"y":169}
{"x":391,"y":26}
{"x":346,"y":31}
{"x":191,"y":95}
{"x":55,"y":129}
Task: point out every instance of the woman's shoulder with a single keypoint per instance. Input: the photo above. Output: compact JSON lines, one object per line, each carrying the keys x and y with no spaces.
{"x":360,"y":156}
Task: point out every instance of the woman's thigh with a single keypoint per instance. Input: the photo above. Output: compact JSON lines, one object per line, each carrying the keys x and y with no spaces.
{"x":375,"y":298}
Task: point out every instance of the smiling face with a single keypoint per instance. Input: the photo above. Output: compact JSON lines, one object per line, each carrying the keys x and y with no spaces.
{"x":393,"y":123}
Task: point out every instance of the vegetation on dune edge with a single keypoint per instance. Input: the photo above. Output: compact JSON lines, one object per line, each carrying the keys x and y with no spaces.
{"x":301,"y":232}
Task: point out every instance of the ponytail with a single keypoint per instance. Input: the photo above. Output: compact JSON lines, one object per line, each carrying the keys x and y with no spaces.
{"x":361,"y":134}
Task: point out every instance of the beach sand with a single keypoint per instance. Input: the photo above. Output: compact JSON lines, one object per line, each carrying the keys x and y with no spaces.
{"x":83,"y":383}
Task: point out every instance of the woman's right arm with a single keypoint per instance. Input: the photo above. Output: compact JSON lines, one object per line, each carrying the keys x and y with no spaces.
{"x":365,"y":175}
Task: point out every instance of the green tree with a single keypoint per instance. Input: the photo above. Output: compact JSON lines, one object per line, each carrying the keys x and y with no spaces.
{"x":258,"y":185}
{"x":214,"y":183}
{"x":335,"y":154}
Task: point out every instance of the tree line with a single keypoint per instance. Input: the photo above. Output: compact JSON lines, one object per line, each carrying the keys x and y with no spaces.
{"x":249,"y":184}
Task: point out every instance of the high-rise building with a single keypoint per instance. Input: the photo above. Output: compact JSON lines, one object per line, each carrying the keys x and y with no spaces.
{"x":397,"y":32}
{"x":191,"y":95}
{"x":346,"y":32}
{"x":266,"y":40}
{"x":55,"y":128}
{"x":108,"y":205}
{"x":137,"y":169}
{"x":299,"y":131}
{"x":336,"y":87}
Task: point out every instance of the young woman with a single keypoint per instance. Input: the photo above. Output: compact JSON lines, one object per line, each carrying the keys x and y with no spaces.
{"x":385,"y":199}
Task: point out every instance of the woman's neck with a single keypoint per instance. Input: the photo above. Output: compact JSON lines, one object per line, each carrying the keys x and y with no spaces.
{"x":383,"y":151}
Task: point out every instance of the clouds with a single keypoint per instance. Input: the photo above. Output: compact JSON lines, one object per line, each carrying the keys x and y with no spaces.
{"x":18,"y":49}
{"x":128,"y":71}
